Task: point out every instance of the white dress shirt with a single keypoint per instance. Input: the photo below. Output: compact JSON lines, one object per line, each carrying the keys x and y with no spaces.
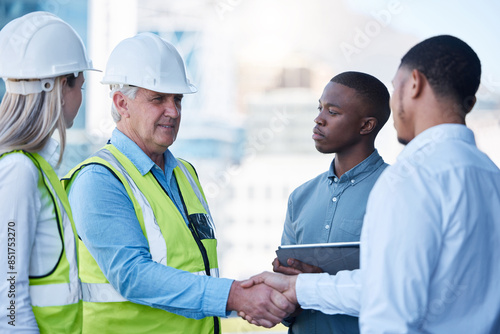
{"x":430,"y":255}
{"x":26,"y":207}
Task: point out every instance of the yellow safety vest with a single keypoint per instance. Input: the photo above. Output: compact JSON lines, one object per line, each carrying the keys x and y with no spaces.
{"x":192,"y":249}
{"x":56,"y":297}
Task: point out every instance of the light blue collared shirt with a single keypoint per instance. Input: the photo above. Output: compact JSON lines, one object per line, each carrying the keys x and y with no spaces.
{"x":429,"y":254}
{"x":107,"y":224}
{"x":330,"y":209}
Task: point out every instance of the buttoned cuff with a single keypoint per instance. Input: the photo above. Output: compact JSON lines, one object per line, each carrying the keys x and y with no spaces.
{"x":216,"y":295}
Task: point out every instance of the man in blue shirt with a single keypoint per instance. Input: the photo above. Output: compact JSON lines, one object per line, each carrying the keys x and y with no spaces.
{"x":429,"y":255}
{"x":330,"y":208}
{"x":148,"y":258}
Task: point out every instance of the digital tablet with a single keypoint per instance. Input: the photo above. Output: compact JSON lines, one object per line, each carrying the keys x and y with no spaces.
{"x":331,"y":257}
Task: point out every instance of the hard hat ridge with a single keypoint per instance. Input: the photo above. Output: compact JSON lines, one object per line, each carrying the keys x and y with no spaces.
{"x":148,"y":61}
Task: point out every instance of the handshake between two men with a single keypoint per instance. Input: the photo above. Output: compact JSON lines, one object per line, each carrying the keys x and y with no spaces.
{"x":274,"y":295}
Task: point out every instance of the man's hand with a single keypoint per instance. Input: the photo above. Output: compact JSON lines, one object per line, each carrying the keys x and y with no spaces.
{"x":282,"y":283}
{"x":296,"y":267}
{"x":262,"y":304}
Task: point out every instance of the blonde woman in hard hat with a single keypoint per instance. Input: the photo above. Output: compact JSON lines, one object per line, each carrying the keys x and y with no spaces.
{"x":41,"y":61}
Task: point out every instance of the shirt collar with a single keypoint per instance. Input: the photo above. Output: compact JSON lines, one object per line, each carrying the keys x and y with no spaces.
{"x":50,"y":152}
{"x":437,"y":134}
{"x":136,"y":155}
{"x":361,"y":170}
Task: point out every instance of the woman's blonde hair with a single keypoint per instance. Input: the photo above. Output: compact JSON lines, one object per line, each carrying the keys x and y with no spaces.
{"x":28,"y":121}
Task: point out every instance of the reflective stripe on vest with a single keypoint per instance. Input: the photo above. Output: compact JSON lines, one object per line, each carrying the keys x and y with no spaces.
{"x":55,"y":294}
{"x":71,"y":254}
{"x":68,"y":290}
{"x":157,"y":246}
{"x":56,"y":297}
{"x":63,"y":209}
{"x":103,"y":305}
{"x":193,"y":184}
{"x":106,"y":293}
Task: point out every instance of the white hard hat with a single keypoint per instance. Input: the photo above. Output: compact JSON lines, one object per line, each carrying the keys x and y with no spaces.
{"x":148,"y":61}
{"x":39,"y":45}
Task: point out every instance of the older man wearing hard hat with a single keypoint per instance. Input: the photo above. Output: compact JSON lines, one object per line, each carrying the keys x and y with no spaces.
{"x":148,"y":255}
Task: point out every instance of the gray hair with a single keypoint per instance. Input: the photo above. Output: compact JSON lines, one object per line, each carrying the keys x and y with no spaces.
{"x":28,"y":121}
{"x":128,"y":91}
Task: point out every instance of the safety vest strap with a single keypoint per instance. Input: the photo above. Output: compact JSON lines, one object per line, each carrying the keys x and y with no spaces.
{"x":55,"y":294}
{"x":103,"y":305}
{"x":58,"y":188}
{"x":156,"y":241}
{"x":194,"y":186}
{"x":56,"y":297}
{"x":214,"y":272}
{"x":65,"y":221}
{"x":101,"y":293}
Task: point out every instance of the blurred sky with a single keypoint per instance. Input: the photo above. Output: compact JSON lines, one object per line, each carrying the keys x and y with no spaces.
{"x":476,"y":22}
{"x":270,"y":31}
{"x":330,"y":37}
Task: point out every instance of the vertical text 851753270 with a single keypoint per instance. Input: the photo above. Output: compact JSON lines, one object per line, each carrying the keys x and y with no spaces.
{"x":11,"y":272}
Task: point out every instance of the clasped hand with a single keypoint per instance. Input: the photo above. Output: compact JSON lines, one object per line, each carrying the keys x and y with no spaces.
{"x":283,"y":295}
{"x":259,"y":301}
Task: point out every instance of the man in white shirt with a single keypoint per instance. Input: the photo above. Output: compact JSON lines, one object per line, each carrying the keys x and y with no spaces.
{"x":430,"y":255}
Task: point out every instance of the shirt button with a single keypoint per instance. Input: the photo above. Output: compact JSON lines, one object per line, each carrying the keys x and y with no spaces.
{"x":352,"y":181}
{"x":335,"y":179}
{"x":334,"y":199}
{"x":327,"y":227}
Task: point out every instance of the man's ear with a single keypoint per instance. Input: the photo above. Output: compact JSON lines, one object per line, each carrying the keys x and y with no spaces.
{"x":121,"y":104}
{"x":417,"y":82}
{"x":469,"y":103}
{"x":368,"y":125}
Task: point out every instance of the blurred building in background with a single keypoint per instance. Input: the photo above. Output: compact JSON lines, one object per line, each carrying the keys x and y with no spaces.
{"x":260,"y":68}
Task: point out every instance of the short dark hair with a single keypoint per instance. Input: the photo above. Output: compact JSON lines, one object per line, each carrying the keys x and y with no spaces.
{"x":372,"y":90}
{"x":450,"y":65}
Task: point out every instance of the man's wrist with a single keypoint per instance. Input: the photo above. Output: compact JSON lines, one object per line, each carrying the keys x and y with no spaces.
{"x":234,"y":296}
{"x":216,"y":296}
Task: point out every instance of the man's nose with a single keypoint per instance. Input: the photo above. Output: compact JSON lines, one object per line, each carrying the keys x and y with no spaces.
{"x":171,"y":108}
{"x":319,"y":120}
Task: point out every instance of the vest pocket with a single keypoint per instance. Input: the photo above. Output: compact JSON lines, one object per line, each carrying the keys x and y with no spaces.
{"x":203,"y":225}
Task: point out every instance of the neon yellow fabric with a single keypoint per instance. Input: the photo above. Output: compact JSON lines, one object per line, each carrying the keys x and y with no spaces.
{"x":59,"y":319}
{"x":62,"y":318}
{"x":183,"y":253}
